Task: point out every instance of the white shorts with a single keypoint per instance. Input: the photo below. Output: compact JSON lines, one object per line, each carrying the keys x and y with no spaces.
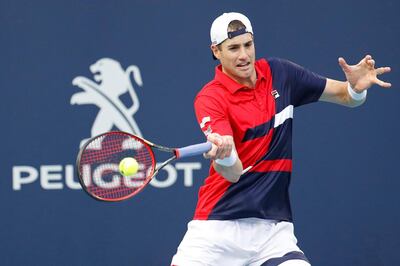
{"x":250,"y":242}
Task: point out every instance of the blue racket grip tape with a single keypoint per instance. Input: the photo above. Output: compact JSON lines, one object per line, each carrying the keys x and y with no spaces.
{"x":193,"y":150}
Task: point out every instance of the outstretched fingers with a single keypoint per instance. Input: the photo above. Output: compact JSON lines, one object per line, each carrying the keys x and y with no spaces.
{"x":371,"y":63}
{"x":382,"y":83}
{"x":343,"y":64}
{"x":382,"y":70}
{"x":364,"y":74}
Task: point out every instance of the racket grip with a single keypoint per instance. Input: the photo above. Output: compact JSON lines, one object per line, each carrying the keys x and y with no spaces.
{"x":193,"y":150}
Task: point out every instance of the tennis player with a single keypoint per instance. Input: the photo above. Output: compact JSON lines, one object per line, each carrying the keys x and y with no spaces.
{"x":246,"y":111}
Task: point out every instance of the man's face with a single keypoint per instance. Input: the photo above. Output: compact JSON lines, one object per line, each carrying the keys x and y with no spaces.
{"x":237,"y":56}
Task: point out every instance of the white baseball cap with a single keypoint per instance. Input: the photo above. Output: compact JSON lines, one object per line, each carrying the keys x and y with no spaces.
{"x":219,"y":28}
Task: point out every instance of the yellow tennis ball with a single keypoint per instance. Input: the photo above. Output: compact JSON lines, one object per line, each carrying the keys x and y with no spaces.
{"x":128,"y":166}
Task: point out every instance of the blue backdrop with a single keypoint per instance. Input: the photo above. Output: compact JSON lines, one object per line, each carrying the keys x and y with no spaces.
{"x":345,"y":183}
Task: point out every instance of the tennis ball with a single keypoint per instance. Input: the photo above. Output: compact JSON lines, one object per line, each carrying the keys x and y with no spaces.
{"x":128,"y":166}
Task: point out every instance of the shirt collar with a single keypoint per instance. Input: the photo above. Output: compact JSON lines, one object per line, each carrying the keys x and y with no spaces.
{"x":231,"y":84}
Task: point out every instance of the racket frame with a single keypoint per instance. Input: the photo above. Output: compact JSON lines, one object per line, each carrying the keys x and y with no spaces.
{"x":157,"y":166}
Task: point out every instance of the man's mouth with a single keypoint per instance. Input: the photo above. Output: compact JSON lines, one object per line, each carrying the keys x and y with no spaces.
{"x":243,"y":65}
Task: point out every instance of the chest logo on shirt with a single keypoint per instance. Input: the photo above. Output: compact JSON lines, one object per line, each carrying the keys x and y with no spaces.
{"x":275,"y":94}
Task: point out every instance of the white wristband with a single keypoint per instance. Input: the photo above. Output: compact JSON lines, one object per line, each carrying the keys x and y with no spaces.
{"x":356,"y":96}
{"x":228,"y":161}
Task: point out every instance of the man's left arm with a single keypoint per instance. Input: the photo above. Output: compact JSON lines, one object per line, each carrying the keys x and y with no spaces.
{"x":359,"y":77}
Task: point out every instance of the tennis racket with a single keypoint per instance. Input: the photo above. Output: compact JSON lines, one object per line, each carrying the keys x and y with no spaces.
{"x":98,"y":164}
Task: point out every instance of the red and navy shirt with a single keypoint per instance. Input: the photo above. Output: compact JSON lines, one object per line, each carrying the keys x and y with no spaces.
{"x":260,"y":121}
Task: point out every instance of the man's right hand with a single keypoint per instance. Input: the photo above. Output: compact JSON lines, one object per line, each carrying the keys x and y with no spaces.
{"x":222,"y":148}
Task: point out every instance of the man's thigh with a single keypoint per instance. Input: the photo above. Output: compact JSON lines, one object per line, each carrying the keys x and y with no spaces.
{"x":210,"y":243}
{"x":281,"y":248}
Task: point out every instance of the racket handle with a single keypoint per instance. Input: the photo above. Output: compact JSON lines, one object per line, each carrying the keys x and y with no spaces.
{"x":193,"y":150}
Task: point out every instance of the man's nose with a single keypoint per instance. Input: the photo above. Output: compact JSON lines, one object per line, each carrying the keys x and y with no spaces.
{"x":242,"y":53}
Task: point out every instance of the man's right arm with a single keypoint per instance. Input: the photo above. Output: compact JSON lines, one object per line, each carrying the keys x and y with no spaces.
{"x":211,"y":113}
{"x":224,"y":155}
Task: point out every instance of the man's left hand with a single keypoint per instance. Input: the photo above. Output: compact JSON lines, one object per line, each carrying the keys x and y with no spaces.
{"x":363,"y":75}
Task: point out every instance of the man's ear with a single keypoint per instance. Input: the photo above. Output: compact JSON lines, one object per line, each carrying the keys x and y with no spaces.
{"x":215,"y":51}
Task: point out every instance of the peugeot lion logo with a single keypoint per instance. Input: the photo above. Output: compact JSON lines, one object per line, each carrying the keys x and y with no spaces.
{"x":111,"y":81}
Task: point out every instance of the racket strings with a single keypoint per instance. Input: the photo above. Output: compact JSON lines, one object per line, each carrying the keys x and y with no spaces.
{"x":100,"y":166}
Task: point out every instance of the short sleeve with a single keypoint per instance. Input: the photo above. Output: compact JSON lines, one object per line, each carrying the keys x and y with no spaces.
{"x":211,"y":115}
{"x":305,"y":86}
